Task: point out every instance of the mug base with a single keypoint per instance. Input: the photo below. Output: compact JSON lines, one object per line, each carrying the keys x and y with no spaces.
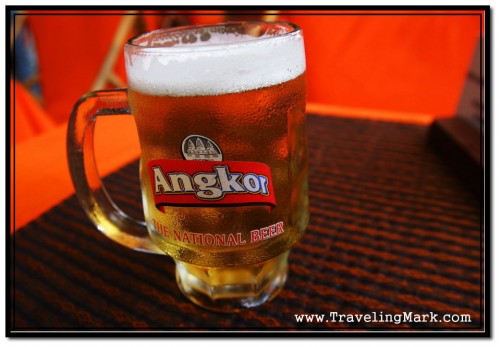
{"x":230,"y":289}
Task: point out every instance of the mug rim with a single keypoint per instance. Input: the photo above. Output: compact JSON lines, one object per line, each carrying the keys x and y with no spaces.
{"x":132,"y":46}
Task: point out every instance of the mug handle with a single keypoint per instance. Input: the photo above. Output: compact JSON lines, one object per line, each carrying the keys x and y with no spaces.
{"x":90,"y":191}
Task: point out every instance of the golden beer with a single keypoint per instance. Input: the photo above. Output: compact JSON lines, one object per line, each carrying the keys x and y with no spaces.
{"x":249,"y":126}
{"x":220,"y":113}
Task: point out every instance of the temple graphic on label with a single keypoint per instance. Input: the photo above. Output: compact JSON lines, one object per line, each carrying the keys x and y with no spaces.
{"x":197,"y":147}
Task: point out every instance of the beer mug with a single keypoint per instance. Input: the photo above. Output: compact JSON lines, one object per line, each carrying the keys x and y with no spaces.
{"x":220,"y":114}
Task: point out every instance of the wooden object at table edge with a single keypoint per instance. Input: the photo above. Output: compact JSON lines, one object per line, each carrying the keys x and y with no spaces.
{"x":461,"y":147}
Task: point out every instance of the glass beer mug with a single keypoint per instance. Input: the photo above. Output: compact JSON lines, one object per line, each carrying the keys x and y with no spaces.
{"x":220,"y":113}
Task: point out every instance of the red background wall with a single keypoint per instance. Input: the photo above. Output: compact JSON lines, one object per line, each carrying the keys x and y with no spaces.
{"x":405,"y":63}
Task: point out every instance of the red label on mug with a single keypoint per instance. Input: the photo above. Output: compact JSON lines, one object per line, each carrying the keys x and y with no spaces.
{"x":197,"y":182}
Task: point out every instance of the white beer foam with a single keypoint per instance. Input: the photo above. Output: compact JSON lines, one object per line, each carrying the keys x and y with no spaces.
{"x":218,"y":67}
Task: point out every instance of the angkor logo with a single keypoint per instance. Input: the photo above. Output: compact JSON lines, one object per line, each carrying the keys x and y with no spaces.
{"x":203,"y":178}
{"x":198,"y":147}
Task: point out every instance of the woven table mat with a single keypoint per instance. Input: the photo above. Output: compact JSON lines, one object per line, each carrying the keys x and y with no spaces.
{"x":392,"y":231}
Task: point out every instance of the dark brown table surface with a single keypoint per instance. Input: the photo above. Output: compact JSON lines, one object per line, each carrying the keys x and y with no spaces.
{"x":392,"y":230}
